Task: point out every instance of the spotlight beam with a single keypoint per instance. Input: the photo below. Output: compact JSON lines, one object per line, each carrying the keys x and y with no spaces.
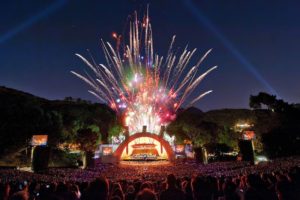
{"x":203,"y":20}
{"x":32,"y":20}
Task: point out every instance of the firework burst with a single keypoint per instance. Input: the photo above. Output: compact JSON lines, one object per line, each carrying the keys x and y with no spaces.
{"x":143,"y":87}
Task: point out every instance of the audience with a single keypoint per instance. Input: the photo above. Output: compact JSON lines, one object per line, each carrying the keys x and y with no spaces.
{"x":146,"y":194}
{"x":274,"y":180}
{"x":172,"y":192}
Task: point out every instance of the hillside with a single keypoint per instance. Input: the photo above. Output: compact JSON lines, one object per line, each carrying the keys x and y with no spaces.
{"x":23,"y":115}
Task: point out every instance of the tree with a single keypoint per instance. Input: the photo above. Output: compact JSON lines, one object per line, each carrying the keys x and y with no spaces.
{"x":88,"y":141}
{"x":23,"y":115}
{"x":262,"y":98}
{"x":217,"y":148}
{"x":79,"y":114}
{"x":227,"y":136}
{"x":115,"y":130}
{"x":188,"y":126}
{"x":270,"y":101}
{"x":198,"y":134}
{"x":280,"y":130}
{"x":194,"y":134}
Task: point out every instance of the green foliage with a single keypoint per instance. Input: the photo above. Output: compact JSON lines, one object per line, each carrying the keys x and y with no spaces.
{"x":74,"y":120}
{"x":212,"y":126}
{"x":63,"y":158}
{"x":229,"y":117}
{"x":279,"y":127}
{"x":192,"y":132}
{"x":228,"y":136}
{"x":281,"y":142}
{"x":197,"y":135}
{"x":87,"y":139}
{"x":79,"y":114}
{"x":217,"y":148}
{"x":262,"y":98}
{"x":23,"y":115}
{"x":115,"y":130}
{"x":189,"y":125}
{"x":270,"y":101}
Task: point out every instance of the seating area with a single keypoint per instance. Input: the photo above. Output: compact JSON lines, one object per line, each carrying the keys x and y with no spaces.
{"x":277,"y":179}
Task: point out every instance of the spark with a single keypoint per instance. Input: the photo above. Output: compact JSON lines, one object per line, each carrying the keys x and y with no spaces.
{"x":201,"y":18}
{"x":147,"y":88}
{"x":114,"y":35}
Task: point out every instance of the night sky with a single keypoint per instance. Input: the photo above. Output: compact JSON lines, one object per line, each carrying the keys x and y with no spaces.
{"x":256,"y":44}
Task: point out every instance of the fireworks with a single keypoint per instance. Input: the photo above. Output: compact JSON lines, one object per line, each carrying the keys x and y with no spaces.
{"x":141,"y":86}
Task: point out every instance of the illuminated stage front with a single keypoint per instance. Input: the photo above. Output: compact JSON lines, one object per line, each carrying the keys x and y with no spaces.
{"x":144,"y":146}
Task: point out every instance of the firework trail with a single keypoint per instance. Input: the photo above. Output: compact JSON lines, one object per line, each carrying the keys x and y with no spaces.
{"x":143,"y":87}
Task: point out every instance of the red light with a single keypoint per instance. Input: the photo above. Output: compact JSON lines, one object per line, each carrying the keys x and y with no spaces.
{"x":114,"y":35}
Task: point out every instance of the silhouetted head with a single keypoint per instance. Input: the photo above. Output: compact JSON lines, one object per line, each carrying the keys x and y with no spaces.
{"x":146,"y":194}
{"x":171,"y":180}
{"x":98,"y":189}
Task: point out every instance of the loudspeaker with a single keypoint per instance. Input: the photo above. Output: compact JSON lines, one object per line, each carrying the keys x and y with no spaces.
{"x":162,"y":130}
{"x":246,"y":150}
{"x":90,"y":161}
{"x":126,"y":133}
{"x":40,"y":160}
{"x":144,"y":129}
{"x":199,"y":155}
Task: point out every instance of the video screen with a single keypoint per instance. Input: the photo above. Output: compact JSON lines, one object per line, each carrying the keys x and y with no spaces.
{"x":39,"y":140}
{"x":107,"y":151}
{"x":179,"y":149}
{"x":249,"y":135}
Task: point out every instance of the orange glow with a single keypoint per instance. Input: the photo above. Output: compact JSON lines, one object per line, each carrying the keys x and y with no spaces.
{"x":179,"y":148}
{"x":38,"y":140}
{"x":107,"y":151}
{"x":114,"y":35}
{"x":144,"y":146}
{"x":249,"y":135}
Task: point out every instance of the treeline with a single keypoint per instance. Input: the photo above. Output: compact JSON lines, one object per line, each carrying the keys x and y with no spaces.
{"x":276,"y":123}
{"x":23,"y":115}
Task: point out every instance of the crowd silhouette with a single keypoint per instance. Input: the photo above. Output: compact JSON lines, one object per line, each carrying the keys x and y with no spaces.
{"x":278,"y":179}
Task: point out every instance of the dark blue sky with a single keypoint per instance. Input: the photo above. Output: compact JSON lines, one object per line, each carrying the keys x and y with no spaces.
{"x":256,"y":44}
